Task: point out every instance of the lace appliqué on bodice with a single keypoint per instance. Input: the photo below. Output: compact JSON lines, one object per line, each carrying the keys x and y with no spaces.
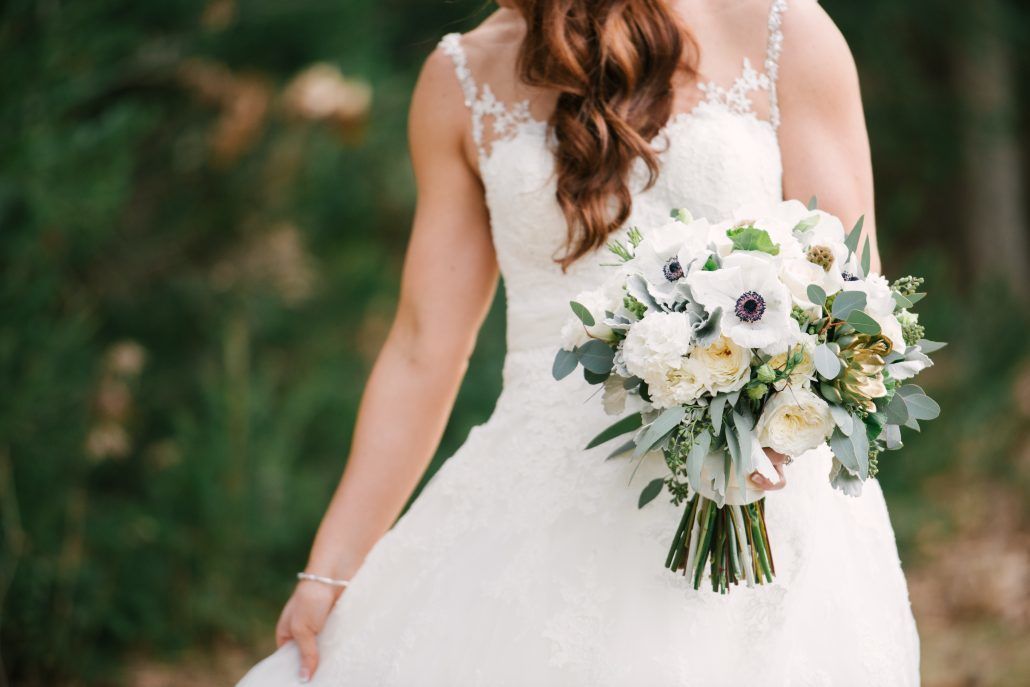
{"x":482,"y":102}
{"x":505,"y":121}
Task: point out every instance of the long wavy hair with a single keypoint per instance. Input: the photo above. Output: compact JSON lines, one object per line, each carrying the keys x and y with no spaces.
{"x":612,"y":63}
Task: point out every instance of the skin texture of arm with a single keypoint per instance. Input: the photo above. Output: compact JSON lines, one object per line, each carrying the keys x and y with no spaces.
{"x":448,"y":282}
{"x":823,"y":133}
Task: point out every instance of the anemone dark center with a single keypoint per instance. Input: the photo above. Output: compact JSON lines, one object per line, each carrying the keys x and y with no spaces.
{"x":673,"y":270}
{"x":750,"y":306}
{"x":848,"y":276}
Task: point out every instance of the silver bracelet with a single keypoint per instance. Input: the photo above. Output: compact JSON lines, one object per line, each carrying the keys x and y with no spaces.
{"x":324,"y":580}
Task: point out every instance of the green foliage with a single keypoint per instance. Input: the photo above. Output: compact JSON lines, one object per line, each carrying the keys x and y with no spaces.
{"x":753,"y":239}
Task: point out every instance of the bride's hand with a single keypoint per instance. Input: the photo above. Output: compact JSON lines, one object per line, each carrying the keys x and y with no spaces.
{"x":302,"y":620}
{"x":778,"y":460}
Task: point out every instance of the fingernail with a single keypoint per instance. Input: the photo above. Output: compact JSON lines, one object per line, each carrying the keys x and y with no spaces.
{"x":305,"y":676}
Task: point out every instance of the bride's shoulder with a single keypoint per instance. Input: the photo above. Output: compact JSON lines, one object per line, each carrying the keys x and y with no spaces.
{"x":816,"y":64}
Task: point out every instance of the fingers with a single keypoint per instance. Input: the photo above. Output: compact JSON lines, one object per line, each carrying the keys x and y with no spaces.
{"x":282,"y":628}
{"x":776,"y":458}
{"x":762,"y":482}
{"x":308,"y":646}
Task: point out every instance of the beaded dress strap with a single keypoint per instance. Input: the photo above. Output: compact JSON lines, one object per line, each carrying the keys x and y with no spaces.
{"x":772,"y":57}
{"x":451,"y":46}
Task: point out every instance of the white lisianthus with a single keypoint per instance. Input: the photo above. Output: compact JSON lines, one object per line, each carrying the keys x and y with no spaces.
{"x":798,"y":273}
{"x":573,"y":334}
{"x":721,"y":244}
{"x":755,"y":304}
{"x":794,"y":421}
{"x":677,"y":386}
{"x":801,"y":375}
{"x":880,"y":306}
{"x":727,"y":366}
{"x":779,"y":222}
{"x":606,"y":298}
{"x":656,"y":344}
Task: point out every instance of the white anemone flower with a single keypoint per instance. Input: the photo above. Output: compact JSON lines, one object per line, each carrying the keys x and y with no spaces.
{"x":755,"y":304}
{"x":666,"y":254}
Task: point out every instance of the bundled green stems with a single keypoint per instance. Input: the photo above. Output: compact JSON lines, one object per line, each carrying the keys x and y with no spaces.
{"x":732,"y":541}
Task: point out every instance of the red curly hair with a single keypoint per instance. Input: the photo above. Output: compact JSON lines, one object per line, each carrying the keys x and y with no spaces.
{"x":612,"y":63}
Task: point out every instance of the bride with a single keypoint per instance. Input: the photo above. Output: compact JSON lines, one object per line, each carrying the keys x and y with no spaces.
{"x":536,"y":138}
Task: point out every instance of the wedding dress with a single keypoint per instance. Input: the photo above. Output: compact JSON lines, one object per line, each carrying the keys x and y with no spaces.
{"x":526,"y":562}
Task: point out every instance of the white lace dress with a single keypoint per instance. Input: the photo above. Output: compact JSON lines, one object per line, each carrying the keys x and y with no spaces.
{"x":526,"y":562}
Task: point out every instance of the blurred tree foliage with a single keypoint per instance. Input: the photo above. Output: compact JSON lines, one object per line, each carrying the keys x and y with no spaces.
{"x":202,"y":218}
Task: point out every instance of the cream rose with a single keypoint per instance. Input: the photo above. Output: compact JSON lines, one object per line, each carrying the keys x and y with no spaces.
{"x":727,"y":366}
{"x":794,"y":421}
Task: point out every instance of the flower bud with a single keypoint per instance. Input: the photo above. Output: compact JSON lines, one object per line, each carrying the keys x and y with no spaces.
{"x":757,"y":392}
{"x":765,"y":374}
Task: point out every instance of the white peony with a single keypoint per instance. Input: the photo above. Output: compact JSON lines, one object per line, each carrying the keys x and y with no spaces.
{"x":727,"y":366}
{"x":677,"y":386}
{"x":880,"y":306}
{"x":755,"y":304}
{"x":656,"y":344}
{"x":794,"y":421}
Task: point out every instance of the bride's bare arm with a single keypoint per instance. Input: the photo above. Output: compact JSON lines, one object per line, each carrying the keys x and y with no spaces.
{"x":823,"y":133}
{"x":449,"y":277}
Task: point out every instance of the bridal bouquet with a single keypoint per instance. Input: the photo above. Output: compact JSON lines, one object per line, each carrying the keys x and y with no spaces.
{"x":765,"y":331}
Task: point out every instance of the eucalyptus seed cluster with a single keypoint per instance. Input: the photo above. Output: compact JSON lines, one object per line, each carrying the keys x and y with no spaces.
{"x":907,"y":286}
{"x":912,"y":332}
{"x":874,"y":460}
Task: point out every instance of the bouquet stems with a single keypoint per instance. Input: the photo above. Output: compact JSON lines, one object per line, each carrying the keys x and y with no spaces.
{"x":732,"y":541}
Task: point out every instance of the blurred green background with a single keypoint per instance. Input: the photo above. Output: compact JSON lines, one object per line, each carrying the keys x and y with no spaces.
{"x":203,"y":208}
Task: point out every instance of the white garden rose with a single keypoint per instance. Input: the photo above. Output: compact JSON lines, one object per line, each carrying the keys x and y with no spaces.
{"x":727,"y":366}
{"x":656,"y":344}
{"x":677,"y":386}
{"x":794,"y":421}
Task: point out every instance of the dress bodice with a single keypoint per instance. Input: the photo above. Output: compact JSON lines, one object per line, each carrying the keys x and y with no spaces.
{"x":714,"y":158}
